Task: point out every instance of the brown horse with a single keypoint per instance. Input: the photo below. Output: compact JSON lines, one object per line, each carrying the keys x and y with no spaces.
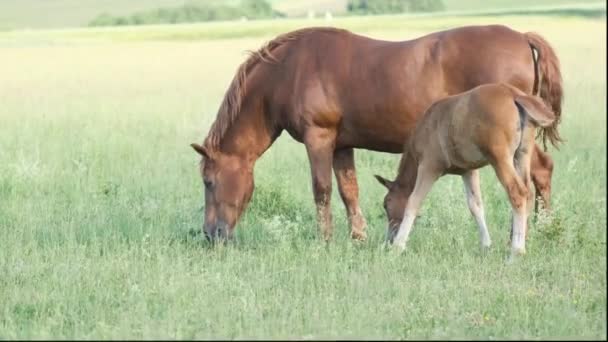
{"x":335,"y":91}
{"x":490,"y":124}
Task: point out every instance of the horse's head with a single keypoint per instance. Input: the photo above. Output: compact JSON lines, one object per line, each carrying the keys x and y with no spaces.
{"x":228,"y":182}
{"x":394,"y":205}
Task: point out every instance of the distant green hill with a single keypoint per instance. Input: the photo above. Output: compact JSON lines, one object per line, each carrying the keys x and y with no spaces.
{"x":70,"y":13}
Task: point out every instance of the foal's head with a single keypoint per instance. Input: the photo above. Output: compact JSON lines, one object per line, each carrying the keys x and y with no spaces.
{"x":228,"y":182}
{"x":394,"y":205}
{"x":399,"y":190}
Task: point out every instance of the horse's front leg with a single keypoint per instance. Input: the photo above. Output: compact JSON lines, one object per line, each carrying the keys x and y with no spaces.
{"x":320,"y":143}
{"x":427,"y":174}
{"x":346,"y":177}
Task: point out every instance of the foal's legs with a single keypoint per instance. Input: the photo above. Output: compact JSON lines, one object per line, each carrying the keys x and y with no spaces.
{"x":320,"y":144}
{"x":346,"y":177}
{"x":473,"y":192}
{"x":541,"y":170}
{"x":424,"y":181}
{"x":518,"y":195}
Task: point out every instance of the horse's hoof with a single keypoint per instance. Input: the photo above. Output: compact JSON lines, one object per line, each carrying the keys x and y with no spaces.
{"x":518,"y":251}
{"x":485,"y":250}
{"x":399,"y":249}
{"x":358,"y":236}
{"x":515,"y":255}
{"x":385,"y":246}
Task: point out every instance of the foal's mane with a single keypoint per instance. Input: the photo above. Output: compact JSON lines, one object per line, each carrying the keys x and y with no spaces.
{"x":231,"y":105}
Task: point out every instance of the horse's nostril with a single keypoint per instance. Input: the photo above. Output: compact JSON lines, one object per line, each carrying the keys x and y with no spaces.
{"x":222,"y":229}
{"x":391,"y":232}
{"x":207,"y":236}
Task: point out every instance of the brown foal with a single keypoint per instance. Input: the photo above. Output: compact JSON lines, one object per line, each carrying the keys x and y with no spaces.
{"x":491,"y":124}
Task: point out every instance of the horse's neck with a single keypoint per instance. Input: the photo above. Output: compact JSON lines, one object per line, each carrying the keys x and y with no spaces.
{"x":250,"y":135}
{"x":408,"y":170}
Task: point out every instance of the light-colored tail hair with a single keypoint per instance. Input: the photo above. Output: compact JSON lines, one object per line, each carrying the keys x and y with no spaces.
{"x":548,"y":84}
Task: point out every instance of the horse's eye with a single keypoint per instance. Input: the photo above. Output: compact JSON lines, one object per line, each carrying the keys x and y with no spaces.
{"x":208,"y":183}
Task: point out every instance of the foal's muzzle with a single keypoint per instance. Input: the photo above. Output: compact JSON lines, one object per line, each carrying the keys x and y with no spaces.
{"x":391,"y":231}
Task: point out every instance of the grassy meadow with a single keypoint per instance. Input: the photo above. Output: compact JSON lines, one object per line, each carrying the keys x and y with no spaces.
{"x":101,"y":202}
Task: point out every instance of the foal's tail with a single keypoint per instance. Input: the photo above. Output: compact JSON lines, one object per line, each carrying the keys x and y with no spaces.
{"x":548,"y":83}
{"x":536,"y":111}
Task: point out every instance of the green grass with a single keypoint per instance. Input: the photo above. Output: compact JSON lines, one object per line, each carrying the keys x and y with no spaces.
{"x":100,"y":195}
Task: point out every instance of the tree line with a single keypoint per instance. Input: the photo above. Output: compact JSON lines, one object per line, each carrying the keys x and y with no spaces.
{"x":253,"y":9}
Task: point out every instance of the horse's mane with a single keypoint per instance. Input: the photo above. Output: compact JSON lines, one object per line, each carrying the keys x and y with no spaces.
{"x":231,"y":105}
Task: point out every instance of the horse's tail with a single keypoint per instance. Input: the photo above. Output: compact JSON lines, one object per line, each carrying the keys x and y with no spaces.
{"x":536,"y":111}
{"x":547,"y":83}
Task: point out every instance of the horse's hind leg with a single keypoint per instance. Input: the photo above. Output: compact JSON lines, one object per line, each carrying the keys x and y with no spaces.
{"x":522,"y":160}
{"x":473,"y":192}
{"x":346,"y":177}
{"x":518,"y":195}
{"x":320,"y":145}
{"x":541,"y":171}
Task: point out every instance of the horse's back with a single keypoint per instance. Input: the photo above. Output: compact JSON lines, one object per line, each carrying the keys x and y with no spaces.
{"x":373,"y":91}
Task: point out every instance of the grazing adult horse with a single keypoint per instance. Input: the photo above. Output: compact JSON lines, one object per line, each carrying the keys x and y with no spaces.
{"x":335,"y":91}
{"x":489,"y":124}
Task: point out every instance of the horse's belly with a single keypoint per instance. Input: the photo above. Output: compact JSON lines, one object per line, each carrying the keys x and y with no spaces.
{"x":376,"y":133}
{"x":466,"y":156}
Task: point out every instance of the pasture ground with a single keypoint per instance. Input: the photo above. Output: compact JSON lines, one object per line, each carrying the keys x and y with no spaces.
{"x":100,"y":202}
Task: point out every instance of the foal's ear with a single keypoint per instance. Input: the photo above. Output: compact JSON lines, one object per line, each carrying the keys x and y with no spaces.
{"x":387,"y":183}
{"x":200,"y":150}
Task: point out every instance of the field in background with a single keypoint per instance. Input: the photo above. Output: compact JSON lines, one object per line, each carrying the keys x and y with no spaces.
{"x":100,"y":204}
{"x":73,"y":13}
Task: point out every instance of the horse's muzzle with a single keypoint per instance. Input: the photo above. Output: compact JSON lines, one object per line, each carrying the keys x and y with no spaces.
{"x":218,"y":232}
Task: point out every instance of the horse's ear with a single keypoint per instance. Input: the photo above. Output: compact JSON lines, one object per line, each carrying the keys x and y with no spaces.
{"x":387,"y":183}
{"x":200,"y":150}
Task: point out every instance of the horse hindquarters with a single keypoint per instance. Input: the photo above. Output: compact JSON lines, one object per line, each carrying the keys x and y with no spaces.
{"x":513,"y":171}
